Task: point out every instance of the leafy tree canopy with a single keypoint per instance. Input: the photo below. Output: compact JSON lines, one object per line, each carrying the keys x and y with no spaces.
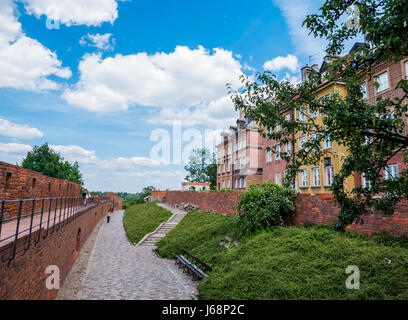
{"x":372,"y":133}
{"x":202,"y":167}
{"x":50,"y":163}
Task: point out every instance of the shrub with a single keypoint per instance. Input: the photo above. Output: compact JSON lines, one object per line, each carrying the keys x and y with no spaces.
{"x":263,"y":206}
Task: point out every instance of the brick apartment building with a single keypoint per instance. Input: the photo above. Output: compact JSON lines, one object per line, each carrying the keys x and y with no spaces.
{"x":239,"y":156}
{"x":243,"y":157}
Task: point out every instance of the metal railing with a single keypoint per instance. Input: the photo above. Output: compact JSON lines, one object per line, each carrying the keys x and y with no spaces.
{"x":21,"y":218}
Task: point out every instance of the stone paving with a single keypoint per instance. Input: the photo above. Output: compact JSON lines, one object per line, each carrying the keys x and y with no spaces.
{"x":120,"y":271}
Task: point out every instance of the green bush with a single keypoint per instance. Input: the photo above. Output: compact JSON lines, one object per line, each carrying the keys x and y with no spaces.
{"x":263,"y":206}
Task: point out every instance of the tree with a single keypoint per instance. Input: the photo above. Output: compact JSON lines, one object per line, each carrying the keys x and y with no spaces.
{"x":202,"y":167}
{"x":50,"y":163}
{"x":371,"y":136}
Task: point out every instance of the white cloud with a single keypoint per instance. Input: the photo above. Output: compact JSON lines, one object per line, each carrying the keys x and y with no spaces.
{"x":216,"y":114}
{"x":100,"y":41}
{"x":180,"y":79}
{"x":14,"y":148}
{"x":75,"y":12}
{"x":24,"y":62}
{"x":295,"y":13}
{"x":292,"y":78}
{"x":279,"y":63}
{"x":18,"y":131}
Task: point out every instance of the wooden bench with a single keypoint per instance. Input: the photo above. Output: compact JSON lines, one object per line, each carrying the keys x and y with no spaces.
{"x":190,"y":262}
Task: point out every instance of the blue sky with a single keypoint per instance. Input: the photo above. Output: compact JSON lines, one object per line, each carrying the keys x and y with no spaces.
{"x":117,"y":73}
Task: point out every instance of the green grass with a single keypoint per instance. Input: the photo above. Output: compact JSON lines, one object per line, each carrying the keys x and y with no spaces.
{"x":142,"y":219}
{"x":290,"y":263}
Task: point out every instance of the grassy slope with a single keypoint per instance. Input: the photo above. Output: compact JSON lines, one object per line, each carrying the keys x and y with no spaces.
{"x":142,"y":219}
{"x":290,"y":263}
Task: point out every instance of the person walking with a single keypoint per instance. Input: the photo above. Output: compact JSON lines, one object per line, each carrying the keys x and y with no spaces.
{"x":108,"y":216}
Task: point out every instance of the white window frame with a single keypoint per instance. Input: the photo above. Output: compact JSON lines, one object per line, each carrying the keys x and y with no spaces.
{"x":328,"y":144}
{"x":278,"y":153}
{"x":288,"y":148}
{"x":406,"y":69}
{"x":304,"y":178}
{"x":329,"y":175}
{"x":302,"y":114}
{"x":364,"y":90}
{"x":316,"y":177}
{"x":383,"y":82}
{"x":228,"y":184}
{"x":364,"y":181}
{"x":391,"y":171}
{"x":244,"y":182}
{"x":302,"y":141}
{"x":278,"y":179}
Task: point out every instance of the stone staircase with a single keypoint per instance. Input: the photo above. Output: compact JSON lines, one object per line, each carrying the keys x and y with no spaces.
{"x":158,"y":234}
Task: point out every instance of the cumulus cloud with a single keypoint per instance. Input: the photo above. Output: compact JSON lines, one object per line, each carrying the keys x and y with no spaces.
{"x":75,"y":12}
{"x":280,"y":63}
{"x":18,"y":131}
{"x":216,"y":114}
{"x":180,"y":79}
{"x":24,"y":62}
{"x":100,"y":41}
{"x":14,"y":148}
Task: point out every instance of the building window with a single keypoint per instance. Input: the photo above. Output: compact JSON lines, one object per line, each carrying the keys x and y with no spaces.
{"x":223,"y":184}
{"x":328,"y":144}
{"x":278,"y":127}
{"x":288,"y":148}
{"x":313,"y":114}
{"x":244,"y":182}
{"x":382,"y":81}
{"x":316,"y":177}
{"x":302,"y":142}
{"x":364,"y":90}
{"x":305,"y":179}
{"x":278,"y":153}
{"x":302,"y":114}
{"x":240,"y":183}
{"x":366,"y":183}
{"x":391,"y":172}
{"x":269,"y":156}
{"x":329,"y":175}
{"x":278,"y":179}
{"x":236,"y":183}
{"x":287,"y":117}
{"x":228,"y":166}
{"x":406,"y":69}
{"x":229,"y":184}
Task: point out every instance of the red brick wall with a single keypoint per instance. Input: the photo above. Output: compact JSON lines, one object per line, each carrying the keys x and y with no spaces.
{"x":18,"y":183}
{"x":208,"y":201}
{"x":317,"y":209}
{"x":25,"y":277}
{"x":320,"y":209}
{"x":117,"y":203}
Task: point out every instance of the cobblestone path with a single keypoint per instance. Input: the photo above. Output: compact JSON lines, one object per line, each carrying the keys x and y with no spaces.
{"x":120,"y":271}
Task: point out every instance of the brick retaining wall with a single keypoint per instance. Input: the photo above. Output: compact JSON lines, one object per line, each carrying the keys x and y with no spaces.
{"x":24,"y":277}
{"x":317,"y":209}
